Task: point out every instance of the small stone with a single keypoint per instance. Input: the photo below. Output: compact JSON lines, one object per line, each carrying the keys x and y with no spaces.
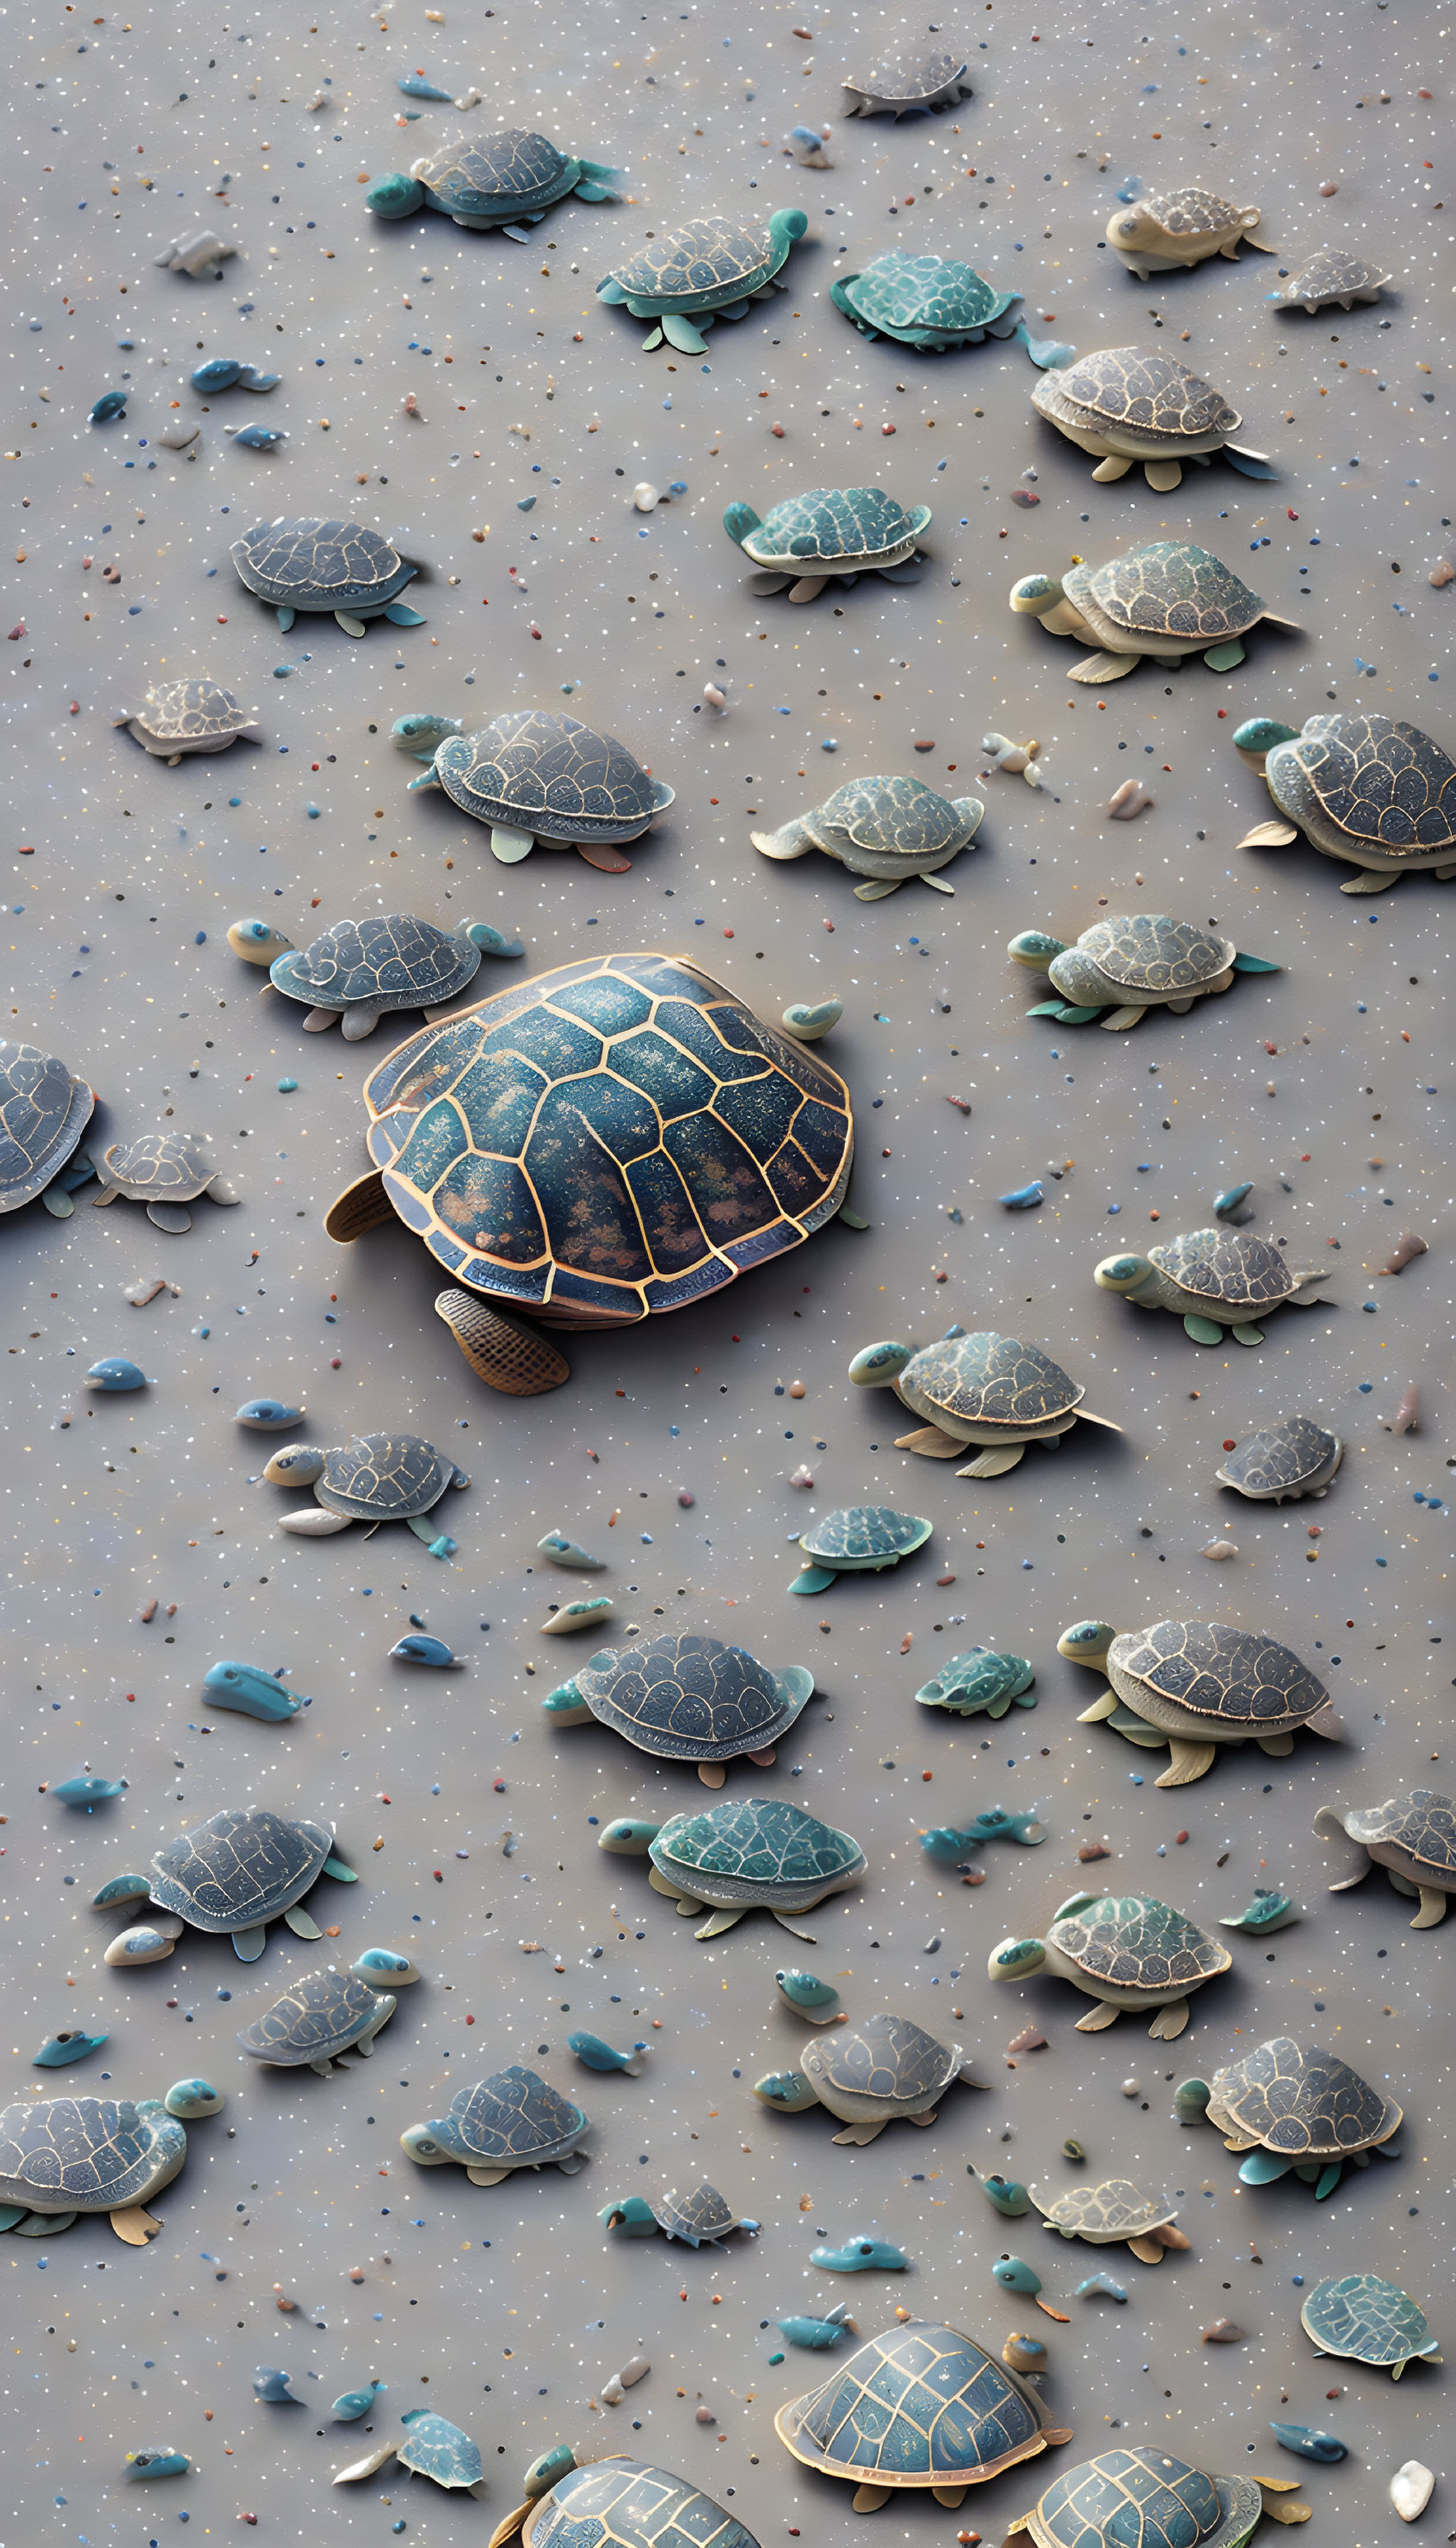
{"x":1128,"y":800}
{"x":1218,"y":1550}
{"x":633,"y":2371}
{"x":686,"y":1499}
{"x":1091,"y":1849}
{"x":1023,"y":496}
{"x":644,"y":496}
{"x":145,"y":1289}
{"x":1224,"y":2330}
{"x":704,"y":2416}
{"x":1330,"y":187}
{"x":1411,"y":2490}
{"x":1442,"y":574}
{"x":1030,"y":2040}
{"x":1130,"y":2087}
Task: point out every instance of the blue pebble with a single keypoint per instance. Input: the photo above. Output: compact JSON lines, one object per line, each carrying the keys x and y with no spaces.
{"x":600,"y":2055}
{"x":1366,"y":1387}
{"x":273,"y":2389}
{"x":248,"y":1691}
{"x":85,"y":1791}
{"x":425,"y":1650}
{"x":259,"y":437}
{"x":287,"y":1087}
{"x":1014,"y":2275}
{"x":267,"y":1413}
{"x":861,"y":2256}
{"x":1104,"y":2284}
{"x":355,"y":2403}
{"x":111,"y":404}
{"x":525,"y":504}
{"x":816,"y":2334}
{"x":1023,"y":1198}
{"x":416,"y":85}
{"x":114,"y":1373}
{"x":73,"y":2043}
{"x":1306,"y":2443}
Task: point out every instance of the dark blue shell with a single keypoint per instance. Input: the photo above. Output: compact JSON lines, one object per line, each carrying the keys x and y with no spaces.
{"x":1130,"y":2499}
{"x":620,"y":2504}
{"x":922,"y":2405}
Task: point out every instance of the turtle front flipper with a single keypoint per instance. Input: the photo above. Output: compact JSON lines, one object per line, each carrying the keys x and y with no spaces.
{"x":301,"y":1922}
{"x":950,"y":2495}
{"x":1149,"y":2251}
{"x":318,"y":1021}
{"x":877,"y":891}
{"x":790,"y":841}
{"x":1164,"y":475}
{"x":1103,"y":2013}
{"x":1372,"y":880}
{"x":1115,"y":1023}
{"x":859,"y":2136}
{"x":1203,"y":1331}
{"x":136,"y":2225}
{"x":1169,"y":2021}
{"x":362,"y":1205}
{"x":360,"y":1020}
{"x":1433,"y":1908}
{"x":992,"y":1463}
{"x":604,"y":857}
{"x":1277,"y":1746}
{"x":351,"y":626}
{"x":1100,"y":668}
{"x":1187,"y":1762}
{"x":720,"y":1920}
{"x":1275,"y":2489}
{"x":403,"y":616}
{"x":807,"y":588}
{"x":937,"y":884}
{"x":1114,"y":466}
{"x":806,"y":1936}
{"x":504,"y":1356}
{"x":1221,"y":659}
{"x":866,"y":2499}
{"x":510,"y":845}
{"x":285,"y":618}
{"x":487,"y":2175}
{"x":681,"y":333}
{"x":173,"y":1217}
{"x":1244,"y":1335}
{"x":249,"y":1944}
{"x":1269,"y":836}
{"x":814,"y":1579}
{"x":931,"y":1442}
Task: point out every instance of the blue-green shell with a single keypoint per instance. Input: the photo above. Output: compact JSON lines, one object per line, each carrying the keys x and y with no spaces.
{"x":311,"y":565}
{"x":902,"y":291}
{"x":702,"y":2213}
{"x":513,"y":2116}
{"x":437,"y":2449}
{"x":922,"y":2406}
{"x":1385,"y":784}
{"x":319,"y":2015}
{"x":1169,"y":589}
{"x":622,"y":2503}
{"x":86,"y":2154}
{"x":689,"y":1697}
{"x":1301,"y":2102}
{"x":773,"y":1847}
{"x":43,"y":1110}
{"x":240,"y":1868}
{"x":1145,"y":2497}
{"x":886,"y":2059}
{"x":550,"y":772}
{"x":698,"y":257}
{"x":864,"y":1535}
{"x":832,"y":523}
{"x":969,"y":1683}
{"x":474,"y":176}
{"x":387,"y":955}
{"x":1368,"y":2319}
{"x":1139,"y":1944}
{"x":1148,"y":951}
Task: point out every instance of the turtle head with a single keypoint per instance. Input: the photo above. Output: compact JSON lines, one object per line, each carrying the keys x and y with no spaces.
{"x":1122,"y":1273}
{"x":490,"y":941}
{"x":543,"y":2474}
{"x":626,"y":1839}
{"x":257,"y":941}
{"x":1014,"y":1956}
{"x":1137,"y":226}
{"x":789,"y":2090}
{"x":1035,"y":949}
{"x":122,"y":1889}
{"x":298,"y":1464}
{"x":1037,"y":593}
{"x":395,"y":197}
{"x":566,"y":1707}
{"x":381,"y":1966}
{"x":1330,"y":1823}
{"x":740,"y":522}
{"x":628,"y":2218}
{"x":1086,"y":1642}
{"x":1257,"y":736}
{"x":419,"y":2143}
{"x":878,"y":1365}
{"x":1191,"y":2100}
{"x":786,"y":227}
{"x":422,"y":732}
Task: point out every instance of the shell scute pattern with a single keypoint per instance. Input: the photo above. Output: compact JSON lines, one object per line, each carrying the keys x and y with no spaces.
{"x":1148,"y":951}
{"x":185,"y":711}
{"x":1327,"y":274}
{"x":535,"y":762}
{"x":755,"y":1843}
{"x":909,"y":77}
{"x":1382,"y":780}
{"x":1302,"y":2103}
{"x":1190,"y":209}
{"x":1151,"y":392}
{"x":886,"y":2058}
{"x":1424,"y":1822}
{"x":992,"y":1380}
{"x":1130,"y":1940}
{"x":689,"y":1697}
{"x":1171,"y":587}
{"x":159,"y":1163}
{"x":937,"y":292}
{"x":704,"y":2213}
{"x":1117,"y":2209}
{"x":1216,"y":1671}
{"x":861,"y":1531}
{"x":511,"y":2115}
{"x":1228,"y":1266}
{"x":242,"y":1866}
{"x":1130,"y":2499}
{"x":829,"y":522}
{"x":893,"y":814}
{"x":337,"y":559}
{"x":98,"y":2152}
{"x":385,"y":1474}
{"x":42,"y":1119}
{"x":698,"y":256}
{"x":1280,"y":1456}
{"x":917,"y":2408}
{"x":620,"y":2504}
{"x":318,"y":2014}
{"x":386,"y":954}
{"x":520,"y":165}
{"x":1364,"y":2316}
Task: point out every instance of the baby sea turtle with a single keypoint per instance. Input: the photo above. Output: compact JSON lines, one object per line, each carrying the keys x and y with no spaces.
{"x":1368,"y":2319}
{"x":164,"y":1170}
{"x":910,"y":82}
{"x":1330,"y":274}
{"x":323,"y":2014}
{"x":601,"y":1144}
{"x":1115,"y":2214}
{"x":1194,"y":1683}
{"x":1413,"y":1836}
{"x":1127,"y":965}
{"x":514,"y":2119}
{"x":1166,"y":601}
{"x":1369,"y":790}
{"x":177,"y":717}
{"x":1143,"y":2494}
{"x":857,"y":1539}
{"x":235,"y":1872}
{"x":1212,"y":1279}
{"x":361,"y":970}
{"x":987,"y":1389}
{"x":1182,"y":228}
{"x":832,"y":535}
{"x":688,"y":1697}
{"x":337,"y":566}
{"x":1296,"y":2108}
{"x":701,"y":271}
{"x":1125,"y":1951}
{"x":884,"y":2070}
{"x":43,"y":1110}
{"x":60,"y":2156}
{"x":1125,"y":404}
{"x":700,"y":2216}
{"x":932,"y":304}
{"x":1289,"y":1460}
{"x":374,"y":1478}
{"x":921,"y":2407}
{"x":615,"y":2503}
{"x":740,"y":1857}
{"x":886,"y":830}
{"x":979,"y":1684}
{"x":433,"y":2447}
{"x":493,"y":181}
{"x":533,"y":775}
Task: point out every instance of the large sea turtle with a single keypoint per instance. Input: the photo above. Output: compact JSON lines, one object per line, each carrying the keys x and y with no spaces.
{"x":1125,"y":1951}
{"x":1362,"y":2318}
{"x":1194,"y":1684}
{"x":1166,"y":600}
{"x":1367,"y":788}
{"x":311,"y":565}
{"x":229,"y":1877}
{"x":1140,"y":2496}
{"x":615,"y":2503}
{"x":60,"y":2156}
{"x":493,"y":181}
{"x":1126,"y":404}
{"x":986,"y":1389}
{"x":323,"y":2014}
{"x":360,"y":971}
{"x":1295,"y":2109}
{"x":922,"y":2407}
{"x":43,"y":1110}
{"x":932,"y":304}
{"x":1413,"y":1836}
{"x":687,"y":1697}
{"x":514,"y":2119}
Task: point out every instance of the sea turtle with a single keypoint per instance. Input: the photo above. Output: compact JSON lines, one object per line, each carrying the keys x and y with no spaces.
{"x":922,"y":2405}
{"x":615,"y":2503}
{"x":533,"y":775}
{"x":361,"y":970}
{"x":1366,"y":788}
{"x":1194,"y":1683}
{"x":987,"y":1389}
{"x":932,"y":304}
{"x":337,"y":566}
{"x":857,"y":1539}
{"x":164,"y":1170}
{"x":1295,"y":2107}
{"x":1181,"y":227}
{"x":687,"y":1697}
{"x":600,"y":1144}
{"x":1212,"y":1279}
{"x":43,"y":1110}
{"x":1116,"y":2213}
{"x":514,"y":2119}
{"x":1140,"y":2496}
{"x":1413,"y":1836}
{"x":1128,"y":964}
{"x":1126,"y":404}
{"x":492,"y":181}
{"x":1368,"y":2319}
{"x":1330,"y":274}
{"x":739,"y":1857}
{"x":910,"y":82}
{"x":979,"y":1684}
{"x":60,"y":2156}
{"x":1125,"y":1951}
{"x":177,"y":717}
{"x":1289,"y":1460}
{"x":885,"y":2069}
{"x":1166,"y":600}
{"x":832,"y":535}
{"x":372,"y":1478}
{"x":235,"y":1872}
{"x":701,"y":271}
{"x":432,"y":2447}
{"x":885,"y":830}
{"x":323,"y":2014}
{"x":700,"y":2216}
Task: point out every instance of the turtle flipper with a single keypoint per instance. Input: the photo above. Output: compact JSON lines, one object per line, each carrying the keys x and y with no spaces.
{"x":931,"y":1442}
{"x":1186,"y":1762}
{"x":950,"y":2495}
{"x":604,"y":857}
{"x":1164,"y":475}
{"x":1249,"y":464}
{"x":814,"y":1579}
{"x":487,"y":2175}
{"x":1269,"y":836}
{"x":351,"y":626}
{"x":1169,"y":2021}
{"x":807,"y":588}
{"x":1103,"y":1706}
{"x":1114,"y":466}
{"x":720,"y":1921}
{"x":937,"y":884}
{"x":877,"y":891}
{"x":992,"y":1463}
{"x":1203,"y":1331}
{"x":1100,"y":668}
{"x":1372,"y":880}
{"x":136,"y":2225}
{"x":403,"y":616}
{"x":173,"y":1217}
{"x":806,"y":1934}
{"x":1244,"y":1336}
{"x":859,"y":2136}
{"x":1274,"y":2488}
{"x":711,"y":1772}
{"x":249,"y":1944}
{"x":1433,"y":1908}
{"x":1101,"y":2014}
{"x":1118,"y":1021}
{"x":301,"y":1922}
{"x":507,"y":1357}
{"x":285,"y":618}
{"x":1221,"y":659}
{"x":1067,"y":1016}
{"x":1277,"y":1746}
{"x":510,"y":845}
{"x":682,"y":333}
{"x":790,"y":841}
{"x":866,"y":2499}
{"x":362,"y":1205}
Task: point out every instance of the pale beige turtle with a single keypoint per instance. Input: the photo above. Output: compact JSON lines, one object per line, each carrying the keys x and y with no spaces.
{"x":1195,"y":1684}
{"x":164,"y":1170}
{"x":177,"y":717}
{"x":1413,"y":1836}
{"x":1330,"y":274}
{"x":1127,"y":402}
{"x":1115,"y":2212}
{"x":1182,"y":228}
{"x":910,"y":82}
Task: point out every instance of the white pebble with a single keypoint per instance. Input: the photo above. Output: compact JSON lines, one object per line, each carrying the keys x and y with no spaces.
{"x":644,"y":496}
{"x":1130,"y":2087}
{"x":637,"y":2369}
{"x":1218,"y":1550}
{"x":1411,"y":2490}
{"x":715,"y":697}
{"x":612,"y":2390}
{"x":1129,"y":799}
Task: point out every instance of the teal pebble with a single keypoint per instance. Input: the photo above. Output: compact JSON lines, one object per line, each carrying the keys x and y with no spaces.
{"x":1011,"y":2200}
{"x":776,"y":2358}
{"x":287,"y":1087}
{"x":1101,"y":2283}
{"x":1014,"y":2275}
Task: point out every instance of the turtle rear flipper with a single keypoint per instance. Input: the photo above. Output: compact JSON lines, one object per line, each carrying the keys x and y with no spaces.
{"x":1188,"y":1761}
{"x":1099,"y":669}
{"x":1103,"y":2013}
{"x":509,"y":1358}
{"x":1372,"y":880}
{"x":362,"y":1205}
{"x":136,"y":2225}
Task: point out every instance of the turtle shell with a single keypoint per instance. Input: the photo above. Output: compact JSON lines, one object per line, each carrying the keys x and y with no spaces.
{"x":888,"y":2058}
{"x":971,"y":1682}
{"x":1139,"y":1944}
{"x":382,"y":1477}
{"x":239,"y":1868}
{"x":1171,"y":588}
{"x":611,"y":1140}
{"x":829,"y":523}
{"x":156,"y":1164}
{"x":1215,"y":1670}
{"x":1229,"y":1266}
{"x":311,"y":565}
{"x":43,"y":1112}
{"x":988,"y":1380}
{"x":1368,"y":2319}
{"x":1300,"y":2102}
{"x":621,"y":2504}
{"x":437,"y":2449}
{"x":688,"y":1697}
{"x":1145,"y":2497}
{"x":765,"y":1851}
{"x":704,"y":2213}
{"x":1381,"y":781}
{"x":1327,"y":275}
{"x":388,"y":956}
{"x":698,"y":257}
{"x":187,"y":711}
{"x":922,"y":2406}
{"x":864,"y":1535}
{"x":907,"y":79}
{"x":513,"y":2117}
{"x":552,"y":773}
{"x":936,"y":292}
{"x":1116,"y":2209}
{"x":899,"y":817}
{"x":1191,"y":210}
{"x":1281,"y":1456}
{"x":1148,"y":951}
{"x":319,"y":2015}
{"x":474,"y":176}
{"x":86,"y":2154}
{"x":1423,"y":1822}
{"x":1150,"y":391}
